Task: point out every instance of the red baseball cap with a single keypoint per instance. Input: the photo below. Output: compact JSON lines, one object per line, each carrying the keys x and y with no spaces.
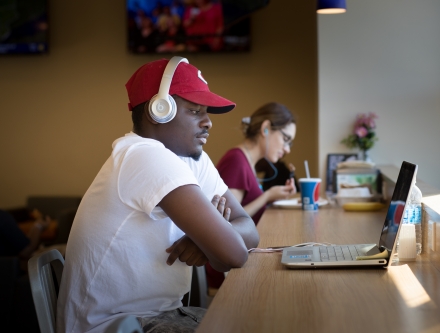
{"x":187,"y":83}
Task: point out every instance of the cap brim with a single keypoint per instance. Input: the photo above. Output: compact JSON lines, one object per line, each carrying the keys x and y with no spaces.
{"x":215,"y":103}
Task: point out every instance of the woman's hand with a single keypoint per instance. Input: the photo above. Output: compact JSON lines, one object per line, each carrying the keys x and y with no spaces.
{"x":281,"y":192}
{"x":291,"y":182}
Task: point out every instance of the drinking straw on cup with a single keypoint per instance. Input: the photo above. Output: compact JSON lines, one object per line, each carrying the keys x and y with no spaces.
{"x":306,"y":165}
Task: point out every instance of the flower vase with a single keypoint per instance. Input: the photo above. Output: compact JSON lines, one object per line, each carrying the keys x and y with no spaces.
{"x":364,"y":156}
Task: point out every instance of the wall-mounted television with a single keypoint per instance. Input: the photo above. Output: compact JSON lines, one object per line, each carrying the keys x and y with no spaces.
{"x":23,"y":26}
{"x":170,"y":26}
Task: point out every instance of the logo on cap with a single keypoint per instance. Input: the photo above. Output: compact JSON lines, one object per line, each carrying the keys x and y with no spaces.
{"x":199,"y":74}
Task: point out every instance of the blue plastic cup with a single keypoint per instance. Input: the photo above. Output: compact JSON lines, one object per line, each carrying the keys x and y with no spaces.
{"x":310,"y":193}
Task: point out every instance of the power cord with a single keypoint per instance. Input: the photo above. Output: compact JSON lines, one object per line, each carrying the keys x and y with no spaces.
{"x":281,"y":248}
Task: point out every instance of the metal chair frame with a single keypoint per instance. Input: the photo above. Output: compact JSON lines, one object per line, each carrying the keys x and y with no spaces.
{"x":44,"y":289}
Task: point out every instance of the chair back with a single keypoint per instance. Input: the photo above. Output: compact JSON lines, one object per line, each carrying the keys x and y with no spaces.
{"x":43,"y":268}
{"x":201,"y":291}
{"x":128,"y":324}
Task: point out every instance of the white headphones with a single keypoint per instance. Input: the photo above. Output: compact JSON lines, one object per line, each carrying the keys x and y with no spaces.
{"x":162,"y":106}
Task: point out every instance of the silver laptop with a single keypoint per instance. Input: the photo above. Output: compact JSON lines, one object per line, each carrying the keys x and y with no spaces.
{"x":355,"y":255}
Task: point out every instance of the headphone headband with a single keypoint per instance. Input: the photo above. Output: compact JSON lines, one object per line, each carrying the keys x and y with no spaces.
{"x":167,"y":77}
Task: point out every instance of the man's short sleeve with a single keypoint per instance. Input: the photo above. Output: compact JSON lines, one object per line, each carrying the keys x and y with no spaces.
{"x":148,"y":173}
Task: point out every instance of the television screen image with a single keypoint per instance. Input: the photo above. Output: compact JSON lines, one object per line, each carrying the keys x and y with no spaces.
{"x":170,"y":26}
{"x":23,"y":26}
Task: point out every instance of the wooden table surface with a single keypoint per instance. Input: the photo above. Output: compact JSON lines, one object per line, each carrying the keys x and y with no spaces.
{"x":264,"y":296}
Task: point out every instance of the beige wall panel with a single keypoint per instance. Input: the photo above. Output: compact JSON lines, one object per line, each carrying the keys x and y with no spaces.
{"x":60,"y":112}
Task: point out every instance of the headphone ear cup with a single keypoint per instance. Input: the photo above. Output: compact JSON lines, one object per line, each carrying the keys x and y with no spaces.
{"x":162,"y":110}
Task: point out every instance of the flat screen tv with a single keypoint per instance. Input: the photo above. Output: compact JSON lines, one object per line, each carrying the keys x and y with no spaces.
{"x":23,"y":26}
{"x":170,"y":26}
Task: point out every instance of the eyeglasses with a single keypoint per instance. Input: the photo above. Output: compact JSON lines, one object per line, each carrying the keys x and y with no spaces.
{"x":288,"y":141}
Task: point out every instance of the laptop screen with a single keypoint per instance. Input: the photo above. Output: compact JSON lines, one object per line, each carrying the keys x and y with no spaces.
{"x":397,"y":206}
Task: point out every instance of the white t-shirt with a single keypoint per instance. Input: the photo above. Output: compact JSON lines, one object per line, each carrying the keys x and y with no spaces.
{"x":115,"y":257}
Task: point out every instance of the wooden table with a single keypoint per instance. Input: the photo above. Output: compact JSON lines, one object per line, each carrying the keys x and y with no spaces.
{"x":264,"y":296}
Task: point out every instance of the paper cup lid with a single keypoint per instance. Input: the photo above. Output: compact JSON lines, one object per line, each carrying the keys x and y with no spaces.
{"x":310,"y":180}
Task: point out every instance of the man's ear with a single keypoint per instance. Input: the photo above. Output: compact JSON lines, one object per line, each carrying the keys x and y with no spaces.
{"x":147,"y":114}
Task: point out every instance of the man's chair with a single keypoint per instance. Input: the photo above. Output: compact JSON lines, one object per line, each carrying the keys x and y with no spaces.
{"x":199,"y":287}
{"x":128,"y":324}
{"x":45,"y":270}
{"x":46,"y":266}
{"x":198,"y":294}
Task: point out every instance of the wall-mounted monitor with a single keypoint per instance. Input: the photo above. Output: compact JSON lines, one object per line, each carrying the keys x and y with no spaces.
{"x":171,"y":26}
{"x":23,"y":26}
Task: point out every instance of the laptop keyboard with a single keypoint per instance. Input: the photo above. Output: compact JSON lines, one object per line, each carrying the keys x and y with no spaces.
{"x":339,"y":253}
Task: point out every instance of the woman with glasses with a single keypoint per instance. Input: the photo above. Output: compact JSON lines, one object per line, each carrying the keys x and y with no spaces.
{"x":269,"y":133}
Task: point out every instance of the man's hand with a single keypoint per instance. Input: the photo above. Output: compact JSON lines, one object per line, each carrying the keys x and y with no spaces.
{"x":220,"y":203}
{"x":187,"y":252}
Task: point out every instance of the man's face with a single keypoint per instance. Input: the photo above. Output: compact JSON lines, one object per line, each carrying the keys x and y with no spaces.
{"x":186,"y":134}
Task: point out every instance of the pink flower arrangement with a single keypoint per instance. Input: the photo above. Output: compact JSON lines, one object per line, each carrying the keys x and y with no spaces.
{"x":363,"y":135}
{"x":361,"y":132}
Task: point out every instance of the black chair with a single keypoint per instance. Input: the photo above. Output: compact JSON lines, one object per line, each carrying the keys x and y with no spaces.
{"x":10,"y":273}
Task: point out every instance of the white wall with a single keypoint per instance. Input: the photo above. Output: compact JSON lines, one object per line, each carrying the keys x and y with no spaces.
{"x":383,"y":56}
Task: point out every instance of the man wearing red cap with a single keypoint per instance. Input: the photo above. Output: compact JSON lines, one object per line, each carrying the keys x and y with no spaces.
{"x":148,"y":215}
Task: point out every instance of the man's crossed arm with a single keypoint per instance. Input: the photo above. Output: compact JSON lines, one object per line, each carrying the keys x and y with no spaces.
{"x":209,"y":236}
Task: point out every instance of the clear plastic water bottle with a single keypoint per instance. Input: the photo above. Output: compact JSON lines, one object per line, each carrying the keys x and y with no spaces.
{"x":413,"y":215}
